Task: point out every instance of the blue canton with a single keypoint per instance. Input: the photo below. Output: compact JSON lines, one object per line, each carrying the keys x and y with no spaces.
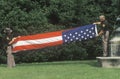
{"x":79,"y":34}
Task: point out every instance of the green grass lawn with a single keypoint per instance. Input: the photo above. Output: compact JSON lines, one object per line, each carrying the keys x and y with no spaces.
{"x":59,"y":70}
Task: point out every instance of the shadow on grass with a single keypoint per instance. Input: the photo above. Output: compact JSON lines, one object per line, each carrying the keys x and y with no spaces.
{"x":92,"y":63}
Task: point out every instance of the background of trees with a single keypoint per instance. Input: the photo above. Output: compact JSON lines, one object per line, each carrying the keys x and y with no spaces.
{"x":27,"y":17}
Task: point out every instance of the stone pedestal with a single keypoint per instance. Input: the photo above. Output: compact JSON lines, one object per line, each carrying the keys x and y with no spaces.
{"x":109,"y":62}
{"x":113,"y":61}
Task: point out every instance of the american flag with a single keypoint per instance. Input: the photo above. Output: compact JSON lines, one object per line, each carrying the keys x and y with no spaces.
{"x":39,"y":41}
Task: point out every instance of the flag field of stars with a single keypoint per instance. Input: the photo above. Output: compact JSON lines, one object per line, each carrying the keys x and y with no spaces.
{"x":79,"y":34}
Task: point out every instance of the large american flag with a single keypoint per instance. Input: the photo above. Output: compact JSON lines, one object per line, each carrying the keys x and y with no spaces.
{"x":39,"y":41}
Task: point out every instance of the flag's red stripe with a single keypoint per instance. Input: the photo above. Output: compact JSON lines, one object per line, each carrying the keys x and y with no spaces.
{"x":35,"y":46}
{"x":38,"y":36}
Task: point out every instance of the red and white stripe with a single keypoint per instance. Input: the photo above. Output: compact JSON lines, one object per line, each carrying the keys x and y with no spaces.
{"x":37,"y":41}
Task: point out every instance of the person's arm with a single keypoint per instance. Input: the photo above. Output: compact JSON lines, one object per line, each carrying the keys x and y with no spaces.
{"x":12,"y":41}
{"x":97,"y":23}
{"x":100,"y":33}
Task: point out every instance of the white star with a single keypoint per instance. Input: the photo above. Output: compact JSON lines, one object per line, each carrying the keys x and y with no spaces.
{"x":81,"y":31}
{"x":85,"y":38}
{"x":90,"y":36}
{"x":71,"y":39}
{"x":93,"y":33}
{"x":82,"y":36}
{"x":68,"y":37}
{"x":70,"y":34}
{"x":84,"y":33}
{"x":79,"y":35}
{"x":73,"y":36}
{"x":87,"y":30}
{"x":65,"y":40}
{"x":76,"y":33}
{"x":77,"y":38}
{"x":92,"y":28}
{"x":64,"y":35}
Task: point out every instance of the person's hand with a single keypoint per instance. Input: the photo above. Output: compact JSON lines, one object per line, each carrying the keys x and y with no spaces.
{"x":94,"y":23}
{"x":100,"y":33}
{"x":12,"y":41}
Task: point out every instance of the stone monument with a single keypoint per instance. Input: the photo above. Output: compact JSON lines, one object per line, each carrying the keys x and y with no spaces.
{"x":113,"y":60}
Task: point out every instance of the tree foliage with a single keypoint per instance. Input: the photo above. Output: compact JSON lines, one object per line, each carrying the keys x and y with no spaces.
{"x":38,"y":16}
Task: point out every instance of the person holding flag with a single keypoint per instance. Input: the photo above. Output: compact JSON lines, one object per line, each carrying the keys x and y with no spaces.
{"x":104,"y":31}
{"x":10,"y":57}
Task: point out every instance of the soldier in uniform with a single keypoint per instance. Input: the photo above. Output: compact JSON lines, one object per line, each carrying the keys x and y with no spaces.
{"x":105,"y":31}
{"x":10,"y":58}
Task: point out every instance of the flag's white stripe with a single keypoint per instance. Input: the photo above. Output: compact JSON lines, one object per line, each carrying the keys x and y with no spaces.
{"x":38,"y":41}
{"x":96,"y":31}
